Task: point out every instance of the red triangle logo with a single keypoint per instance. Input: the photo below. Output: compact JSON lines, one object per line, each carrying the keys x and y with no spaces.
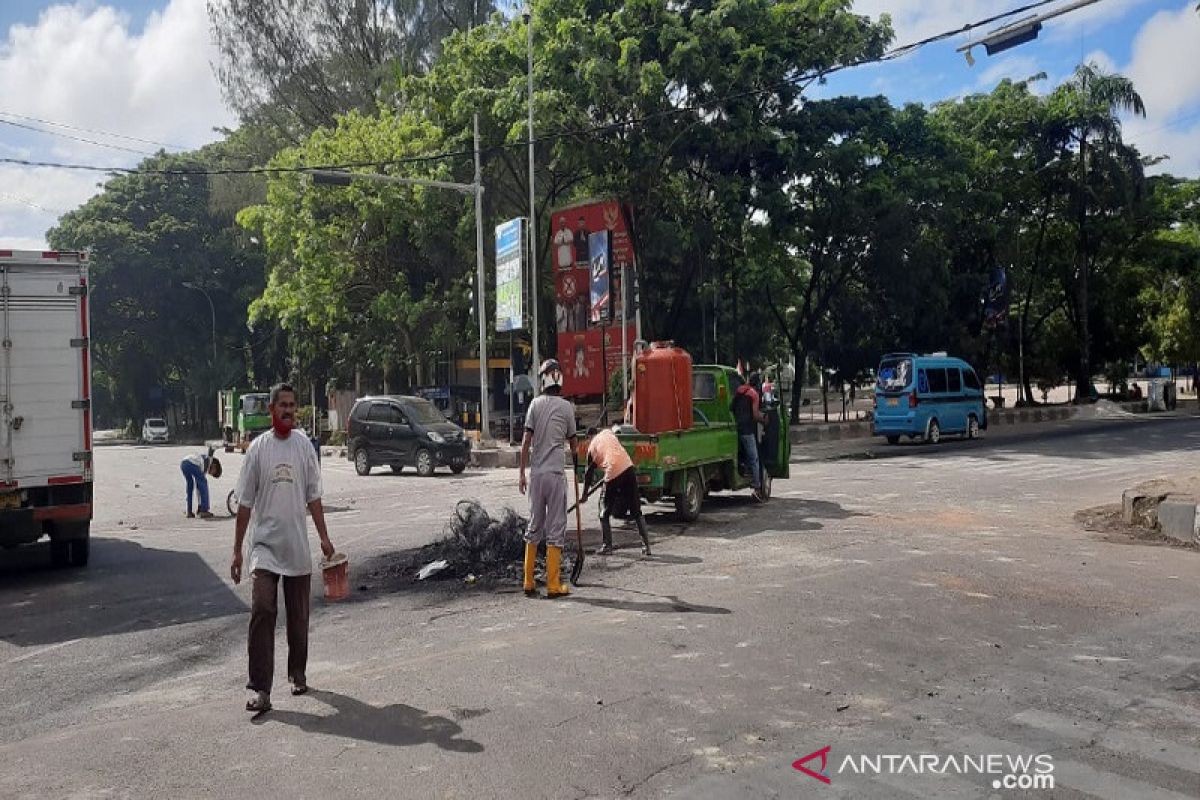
{"x":823,"y":754}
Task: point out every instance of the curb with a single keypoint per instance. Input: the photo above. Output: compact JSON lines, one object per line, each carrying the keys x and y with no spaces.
{"x":836,"y":431}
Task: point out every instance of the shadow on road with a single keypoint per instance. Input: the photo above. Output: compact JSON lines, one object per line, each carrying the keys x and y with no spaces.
{"x":662,"y":604}
{"x":736,"y":516}
{"x":126,"y":587}
{"x":395,"y":725}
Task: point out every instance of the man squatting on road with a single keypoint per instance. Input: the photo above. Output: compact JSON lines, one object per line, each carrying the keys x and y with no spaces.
{"x":280,"y":478}
{"x":549,"y":424}
{"x":620,"y":496}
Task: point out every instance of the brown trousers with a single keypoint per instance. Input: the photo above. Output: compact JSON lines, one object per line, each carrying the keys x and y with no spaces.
{"x":264,"y":605}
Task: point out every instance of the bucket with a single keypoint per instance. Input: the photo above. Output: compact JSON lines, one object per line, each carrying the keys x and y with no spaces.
{"x":335,"y":573}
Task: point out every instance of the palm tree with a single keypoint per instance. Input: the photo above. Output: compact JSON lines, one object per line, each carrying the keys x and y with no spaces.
{"x":1088,"y":109}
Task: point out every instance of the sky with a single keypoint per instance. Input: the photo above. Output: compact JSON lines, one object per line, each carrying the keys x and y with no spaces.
{"x":143,"y":70}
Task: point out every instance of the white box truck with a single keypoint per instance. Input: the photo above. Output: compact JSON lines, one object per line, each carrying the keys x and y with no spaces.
{"x":45,"y":403}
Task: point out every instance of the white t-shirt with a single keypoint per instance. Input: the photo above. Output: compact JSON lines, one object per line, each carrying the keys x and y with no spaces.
{"x":280,"y":477}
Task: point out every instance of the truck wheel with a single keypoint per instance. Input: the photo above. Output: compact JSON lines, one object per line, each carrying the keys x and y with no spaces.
{"x":60,"y":553}
{"x":425,"y":465}
{"x":688,"y":501}
{"x":362,"y":461}
{"x":80,"y":549}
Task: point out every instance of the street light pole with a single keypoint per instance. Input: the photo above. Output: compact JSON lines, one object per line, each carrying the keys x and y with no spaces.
{"x":533,"y":263}
{"x":213,"y":310}
{"x":344,"y":178}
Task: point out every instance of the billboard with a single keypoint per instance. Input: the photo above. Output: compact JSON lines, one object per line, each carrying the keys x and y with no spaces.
{"x":582,"y":354}
{"x":598,"y":260}
{"x":510,"y":275}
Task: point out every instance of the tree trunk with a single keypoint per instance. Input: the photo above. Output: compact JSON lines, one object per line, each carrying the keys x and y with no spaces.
{"x":1084,"y":377}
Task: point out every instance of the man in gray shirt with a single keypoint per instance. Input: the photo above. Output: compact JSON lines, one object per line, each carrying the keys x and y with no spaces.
{"x":549,"y":424}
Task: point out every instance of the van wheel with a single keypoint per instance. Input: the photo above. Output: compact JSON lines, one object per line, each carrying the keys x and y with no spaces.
{"x":893,"y":440}
{"x":688,"y":501}
{"x":362,"y":461}
{"x":972,"y":427}
{"x":425,"y":464}
{"x":935,"y":432}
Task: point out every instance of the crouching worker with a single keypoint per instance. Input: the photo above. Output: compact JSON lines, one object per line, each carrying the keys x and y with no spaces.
{"x":195,"y":470}
{"x":620,"y":496}
{"x":549,"y":424}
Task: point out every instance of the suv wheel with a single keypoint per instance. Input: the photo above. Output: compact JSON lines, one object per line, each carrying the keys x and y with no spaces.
{"x":362,"y":461}
{"x":425,"y":465}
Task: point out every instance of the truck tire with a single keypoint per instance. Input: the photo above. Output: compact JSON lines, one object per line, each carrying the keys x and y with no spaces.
{"x":690,"y":497}
{"x":70,"y":544}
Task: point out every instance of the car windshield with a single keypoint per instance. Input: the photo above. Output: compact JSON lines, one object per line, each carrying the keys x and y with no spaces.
{"x":256,"y":403}
{"x":894,"y":374}
{"x":424,"y":412}
{"x":156,"y":423}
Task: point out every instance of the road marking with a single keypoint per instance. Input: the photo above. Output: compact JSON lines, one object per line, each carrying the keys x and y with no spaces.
{"x":1147,"y":747}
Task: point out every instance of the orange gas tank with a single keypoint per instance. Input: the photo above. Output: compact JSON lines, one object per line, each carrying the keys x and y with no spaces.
{"x":662,"y":389}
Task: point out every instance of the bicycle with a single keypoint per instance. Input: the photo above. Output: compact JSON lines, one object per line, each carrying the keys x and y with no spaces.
{"x":231,"y":502}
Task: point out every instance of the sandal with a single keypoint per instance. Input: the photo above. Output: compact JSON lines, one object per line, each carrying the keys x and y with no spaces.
{"x":259,"y":704}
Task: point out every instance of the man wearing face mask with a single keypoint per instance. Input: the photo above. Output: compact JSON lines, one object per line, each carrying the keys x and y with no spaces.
{"x":281,"y":477}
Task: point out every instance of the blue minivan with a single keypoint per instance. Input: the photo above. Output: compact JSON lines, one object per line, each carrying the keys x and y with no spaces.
{"x":927,"y":396}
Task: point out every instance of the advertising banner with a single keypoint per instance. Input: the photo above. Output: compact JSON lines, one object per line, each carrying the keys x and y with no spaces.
{"x":601,"y":296}
{"x":581,"y":353}
{"x":510,"y":275}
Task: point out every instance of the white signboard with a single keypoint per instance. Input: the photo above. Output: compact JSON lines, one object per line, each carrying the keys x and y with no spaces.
{"x":510,"y":275}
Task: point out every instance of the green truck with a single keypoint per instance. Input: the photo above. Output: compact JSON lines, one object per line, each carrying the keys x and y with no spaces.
{"x":686,"y":465}
{"x":243,"y":415}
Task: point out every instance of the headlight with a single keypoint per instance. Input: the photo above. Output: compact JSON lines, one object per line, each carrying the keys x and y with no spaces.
{"x":434,"y":436}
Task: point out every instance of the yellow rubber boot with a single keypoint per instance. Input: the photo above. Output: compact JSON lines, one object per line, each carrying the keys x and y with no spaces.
{"x":554,"y":584}
{"x":530,"y":560}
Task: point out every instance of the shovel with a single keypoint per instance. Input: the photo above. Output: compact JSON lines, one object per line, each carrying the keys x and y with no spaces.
{"x":577,"y":567}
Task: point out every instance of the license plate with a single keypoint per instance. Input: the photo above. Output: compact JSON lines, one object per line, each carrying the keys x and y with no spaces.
{"x":11,"y":500}
{"x":893,"y":401}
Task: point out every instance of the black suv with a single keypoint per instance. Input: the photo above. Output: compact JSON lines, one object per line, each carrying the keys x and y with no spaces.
{"x":399,"y":430}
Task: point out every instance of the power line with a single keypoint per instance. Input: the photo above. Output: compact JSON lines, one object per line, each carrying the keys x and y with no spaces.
{"x":96,"y":131}
{"x":802,"y":80}
{"x":36,"y":129}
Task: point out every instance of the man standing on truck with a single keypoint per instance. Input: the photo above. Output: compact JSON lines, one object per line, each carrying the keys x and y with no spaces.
{"x":549,"y":424}
{"x":620,"y":496}
{"x":280,"y":478}
{"x":747,"y":413}
{"x":195,"y":468}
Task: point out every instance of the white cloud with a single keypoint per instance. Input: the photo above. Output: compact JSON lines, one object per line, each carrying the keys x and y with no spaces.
{"x":1102,"y":60}
{"x":81,"y":64}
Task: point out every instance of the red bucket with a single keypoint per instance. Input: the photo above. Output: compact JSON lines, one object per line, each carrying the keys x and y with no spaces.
{"x":335,"y":573}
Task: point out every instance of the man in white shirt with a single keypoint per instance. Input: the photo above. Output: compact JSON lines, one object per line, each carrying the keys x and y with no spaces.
{"x":280,"y":478}
{"x":564,"y":242}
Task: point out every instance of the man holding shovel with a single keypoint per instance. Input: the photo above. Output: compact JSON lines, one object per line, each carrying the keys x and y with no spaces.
{"x":280,"y":479}
{"x":620,"y":496}
{"x":549,"y":424}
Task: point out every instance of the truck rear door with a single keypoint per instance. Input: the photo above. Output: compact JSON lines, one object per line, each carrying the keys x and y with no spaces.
{"x":45,"y":419}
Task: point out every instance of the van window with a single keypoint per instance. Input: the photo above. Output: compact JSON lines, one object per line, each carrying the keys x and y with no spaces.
{"x":937,"y":380}
{"x":382,"y":412}
{"x":955,"y":380}
{"x":971,"y":379}
{"x":894,"y":374}
{"x":704,"y":386}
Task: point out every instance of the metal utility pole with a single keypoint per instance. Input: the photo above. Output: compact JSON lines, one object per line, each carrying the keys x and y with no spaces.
{"x":213,"y":310}
{"x":527,"y":13}
{"x":485,"y":396}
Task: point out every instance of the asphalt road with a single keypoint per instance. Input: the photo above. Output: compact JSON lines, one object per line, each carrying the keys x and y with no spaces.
{"x":938,"y":601}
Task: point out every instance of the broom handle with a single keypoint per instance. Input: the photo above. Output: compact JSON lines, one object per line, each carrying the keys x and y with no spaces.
{"x":578,"y":513}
